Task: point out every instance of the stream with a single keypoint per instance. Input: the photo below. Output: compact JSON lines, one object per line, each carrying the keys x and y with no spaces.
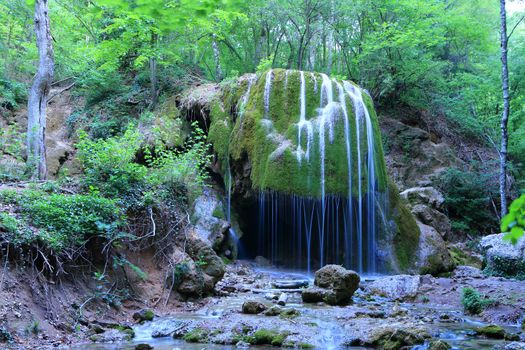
{"x":328,"y":326}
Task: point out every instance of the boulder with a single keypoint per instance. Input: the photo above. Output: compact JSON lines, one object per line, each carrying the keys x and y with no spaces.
{"x":196,"y":271}
{"x":166,"y":327}
{"x":426,"y":204}
{"x":467,"y":272}
{"x":253,"y":307}
{"x":501,"y":258}
{"x":433,"y":255}
{"x":397,"y":338}
{"x":209,"y":219}
{"x":432,"y":217}
{"x":428,"y":196}
{"x":335,"y":285}
{"x":395,"y":287}
{"x":144,"y":315}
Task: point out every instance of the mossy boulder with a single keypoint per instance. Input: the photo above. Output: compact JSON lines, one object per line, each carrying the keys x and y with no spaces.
{"x":396,"y":339}
{"x":144,"y":315}
{"x":502,"y":258}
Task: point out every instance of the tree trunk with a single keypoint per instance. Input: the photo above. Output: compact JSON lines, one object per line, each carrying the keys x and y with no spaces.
{"x":153,"y":71}
{"x":506,"y":109}
{"x":216,"y":56}
{"x":38,"y":94}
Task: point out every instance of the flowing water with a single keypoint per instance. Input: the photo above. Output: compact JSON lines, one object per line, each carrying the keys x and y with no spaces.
{"x":309,"y":232}
{"x":330,"y":332}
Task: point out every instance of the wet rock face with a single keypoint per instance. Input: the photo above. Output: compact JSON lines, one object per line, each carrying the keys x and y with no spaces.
{"x":335,"y":285}
{"x":439,"y":345}
{"x":503,"y":258}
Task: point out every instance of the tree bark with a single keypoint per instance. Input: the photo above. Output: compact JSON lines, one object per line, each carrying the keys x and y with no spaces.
{"x":506,"y":109}
{"x":216,"y":56}
{"x":153,"y":71}
{"x":38,"y":94}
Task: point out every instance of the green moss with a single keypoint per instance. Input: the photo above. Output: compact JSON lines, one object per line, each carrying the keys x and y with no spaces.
{"x":491,"y":331}
{"x":196,"y":335}
{"x":462,"y":258}
{"x":271,"y":145}
{"x":266,"y":336}
{"x":289,"y":313}
{"x":218,"y":212}
{"x":406,"y":236}
{"x":503,"y":267}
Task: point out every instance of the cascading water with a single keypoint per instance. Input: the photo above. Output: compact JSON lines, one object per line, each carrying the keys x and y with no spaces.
{"x":317,"y":225}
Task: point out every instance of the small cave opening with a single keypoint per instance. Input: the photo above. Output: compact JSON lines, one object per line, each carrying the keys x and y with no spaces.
{"x":306,"y":233}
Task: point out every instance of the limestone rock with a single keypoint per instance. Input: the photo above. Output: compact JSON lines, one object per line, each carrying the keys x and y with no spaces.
{"x":426,"y":203}
{"x":432,"y":217}
{"x":433,"y":255}
{"x":395,"y":287}
{"x":397,"y":338}
{"x":335,"y":285}
{"x":515,"y":346}
{"x":424,"y":195}
{"x":467,"y":272}
{"x":209,"y":219}
{"x":503,"y":258}
{"x":253,"y":307}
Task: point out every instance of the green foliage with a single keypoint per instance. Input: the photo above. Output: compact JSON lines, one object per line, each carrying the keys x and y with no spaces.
{"x":468,"y":195}
{"x":473,"y":302}
{"x":63,"y":221}
{"x":514,"y":222}
{"x":33,"y":328}
{"x":109,"y":165}
{"x":12,"y":93}
{"x":264,"y":65}
{"x":504,"y":267}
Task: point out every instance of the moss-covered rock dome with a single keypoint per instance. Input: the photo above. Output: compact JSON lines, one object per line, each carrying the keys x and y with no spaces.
{"x":306,"y":151}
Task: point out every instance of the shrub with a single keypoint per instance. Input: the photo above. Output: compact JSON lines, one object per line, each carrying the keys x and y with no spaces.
{"x":63,"y":221}
{"x":468,"y":196}
{"x":12,"y":93}
{"x":472,"y":301}
{"x":109,"y":165}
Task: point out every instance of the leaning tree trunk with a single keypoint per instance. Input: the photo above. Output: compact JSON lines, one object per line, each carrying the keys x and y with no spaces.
{"x":37,"y":101}
{"x":153,"y":72}
{"x":506,"y":110}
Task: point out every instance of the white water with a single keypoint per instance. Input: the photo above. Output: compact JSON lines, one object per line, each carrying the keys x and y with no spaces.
{"x":267,"y":91}
{"x":342,"y":101}
{"x":244,"y":98}
{"x":331,"y":230}
{"x":303,"y":123}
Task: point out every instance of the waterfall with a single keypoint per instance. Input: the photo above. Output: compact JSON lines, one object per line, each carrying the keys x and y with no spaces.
{"x":348,"y":143}
{"x":267,"y":90}
{"x":303,"y":123}
{"x":244,"y":99}
{"x":323,"y":226}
